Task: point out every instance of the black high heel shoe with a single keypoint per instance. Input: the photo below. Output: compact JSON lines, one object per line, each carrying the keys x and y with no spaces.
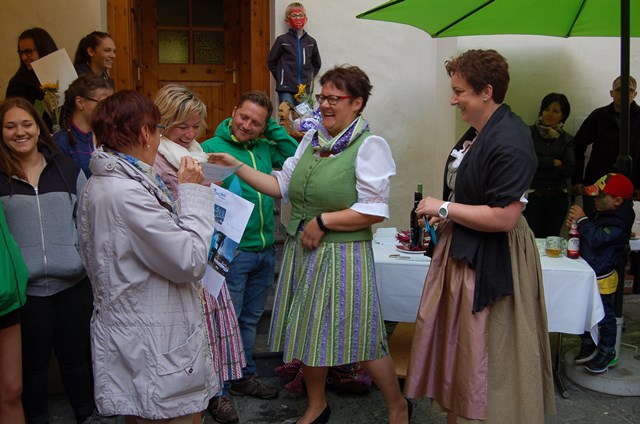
{"x":409,"y":408}
{"x":323,"y":418}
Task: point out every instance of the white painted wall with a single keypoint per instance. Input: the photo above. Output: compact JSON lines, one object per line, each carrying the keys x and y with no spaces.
{"x":409,"y":106}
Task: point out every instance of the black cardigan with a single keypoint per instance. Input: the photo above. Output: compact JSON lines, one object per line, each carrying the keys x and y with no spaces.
{"x":496,"y":171}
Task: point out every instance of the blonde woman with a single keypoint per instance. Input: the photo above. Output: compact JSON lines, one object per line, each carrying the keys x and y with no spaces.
{"x":183,"y":115}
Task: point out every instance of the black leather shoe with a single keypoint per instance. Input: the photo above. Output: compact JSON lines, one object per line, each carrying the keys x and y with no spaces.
{"x":323,"y":418}
{"x":409,"y":408}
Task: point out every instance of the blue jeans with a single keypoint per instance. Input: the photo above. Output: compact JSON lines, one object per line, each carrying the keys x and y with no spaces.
{"x":285,"y":96}
{"x":249,"y":278}
{"x":608,"y":327}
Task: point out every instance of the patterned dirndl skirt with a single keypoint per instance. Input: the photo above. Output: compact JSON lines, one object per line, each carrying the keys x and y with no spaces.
{"x":224,"y":334}
{"x":326,"y":310}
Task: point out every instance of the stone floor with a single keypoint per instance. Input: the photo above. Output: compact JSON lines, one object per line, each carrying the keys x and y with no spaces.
{"x":583,"y":406}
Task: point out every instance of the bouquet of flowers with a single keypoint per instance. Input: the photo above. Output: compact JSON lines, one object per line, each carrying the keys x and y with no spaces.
{"x":304,"y":96}
{"x":50,"y":104}
{"x":308,"y":117}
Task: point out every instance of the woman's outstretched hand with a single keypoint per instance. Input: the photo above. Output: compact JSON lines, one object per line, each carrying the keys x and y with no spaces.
{"x":190,"y":171}
{"x":224,"y":159}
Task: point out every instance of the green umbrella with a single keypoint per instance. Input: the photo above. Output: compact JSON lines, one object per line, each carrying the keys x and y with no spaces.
{"x":560,"y":18}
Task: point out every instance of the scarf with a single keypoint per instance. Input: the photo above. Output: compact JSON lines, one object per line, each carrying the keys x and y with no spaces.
{"x":323,"y":142}
{"x":160,"y":190}
{"x":549,"y":132}
{"x":173,"y":152}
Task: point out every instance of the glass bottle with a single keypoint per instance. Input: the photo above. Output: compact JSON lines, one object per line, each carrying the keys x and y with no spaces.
{"x":416,"y":231}
{"x":573,"y":244}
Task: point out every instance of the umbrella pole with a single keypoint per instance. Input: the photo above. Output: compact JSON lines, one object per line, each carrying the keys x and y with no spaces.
{"x":624,"y":162}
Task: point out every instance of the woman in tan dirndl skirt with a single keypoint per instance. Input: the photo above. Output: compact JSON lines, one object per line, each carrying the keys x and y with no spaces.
{"x":481,"y":348}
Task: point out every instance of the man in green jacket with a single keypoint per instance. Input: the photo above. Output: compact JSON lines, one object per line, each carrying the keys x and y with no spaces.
{"x":256,"y":139}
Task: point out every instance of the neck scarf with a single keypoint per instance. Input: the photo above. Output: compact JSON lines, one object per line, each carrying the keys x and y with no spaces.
{"x":160,"y":190}
{"x":173,"y":152}
{"x":549,"y":132}
{"x":323,"y":142}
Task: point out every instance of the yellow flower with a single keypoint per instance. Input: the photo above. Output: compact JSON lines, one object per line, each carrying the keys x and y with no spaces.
{"x":49,"y":87}
{"x":301,"y":92}
{"x":50,"y":104}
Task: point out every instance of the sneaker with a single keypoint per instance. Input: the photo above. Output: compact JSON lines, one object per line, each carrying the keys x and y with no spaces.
{"x":251,"y":386}
{"x":222,"y":410}
{"x":601,"y":362}
{"x":587,"y":353}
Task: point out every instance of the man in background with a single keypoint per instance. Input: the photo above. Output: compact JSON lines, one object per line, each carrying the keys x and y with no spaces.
{"x":601,"y":130}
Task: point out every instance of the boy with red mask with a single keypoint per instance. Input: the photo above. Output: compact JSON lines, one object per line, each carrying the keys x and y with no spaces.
{"x":294,"y":58}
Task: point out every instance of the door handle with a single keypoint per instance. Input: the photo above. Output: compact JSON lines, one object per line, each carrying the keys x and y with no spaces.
{"x":233,"y":70}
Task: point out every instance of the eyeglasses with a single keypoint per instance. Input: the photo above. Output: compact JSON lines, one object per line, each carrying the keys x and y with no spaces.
{"x":332,"y":100}
{"x":90,"y":99}
{"x":27,"y":52}
{"x":297,"y":15}
{"x":161,"y":128}
{"x":619,"y":89}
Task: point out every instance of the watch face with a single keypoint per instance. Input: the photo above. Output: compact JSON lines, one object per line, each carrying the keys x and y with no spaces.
{"x":443,"y":212}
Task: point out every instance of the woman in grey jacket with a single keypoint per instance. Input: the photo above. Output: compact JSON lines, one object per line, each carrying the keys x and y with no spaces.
{"x":145,"y":257}
{"x":39,"y":190}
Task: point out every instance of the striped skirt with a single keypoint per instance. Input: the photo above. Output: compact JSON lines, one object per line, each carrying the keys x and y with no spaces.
{"x":224,"y":335}
{"x":326,"y":310}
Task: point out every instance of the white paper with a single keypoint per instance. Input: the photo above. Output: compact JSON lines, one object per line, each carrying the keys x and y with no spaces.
{"x":214,"y":172}
{"x":212,"y":281}
{"x":55,"y":68}
{"x":231,"y":215}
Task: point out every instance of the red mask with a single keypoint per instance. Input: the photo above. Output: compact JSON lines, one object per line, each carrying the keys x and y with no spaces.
{"x":297,"y":18}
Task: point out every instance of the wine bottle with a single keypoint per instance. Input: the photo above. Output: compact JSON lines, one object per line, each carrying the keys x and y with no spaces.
{"x":573,"y":244}
{"x":416,"y":231}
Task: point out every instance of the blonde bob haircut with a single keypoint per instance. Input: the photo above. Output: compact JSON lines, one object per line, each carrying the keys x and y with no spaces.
{"x":177,"y":104}
{"x":291,"y":6}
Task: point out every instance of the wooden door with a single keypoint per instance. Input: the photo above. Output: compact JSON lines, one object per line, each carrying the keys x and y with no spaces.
{"x":194,"y":43}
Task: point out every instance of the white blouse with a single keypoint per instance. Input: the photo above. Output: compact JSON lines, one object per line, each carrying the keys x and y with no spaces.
{"x":374,"y":168}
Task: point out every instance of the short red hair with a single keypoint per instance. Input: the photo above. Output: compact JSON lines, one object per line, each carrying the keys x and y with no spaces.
{"x":118,"y":119}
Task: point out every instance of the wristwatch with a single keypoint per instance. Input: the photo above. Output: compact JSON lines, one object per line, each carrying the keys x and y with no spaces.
{"x":443,"y":211}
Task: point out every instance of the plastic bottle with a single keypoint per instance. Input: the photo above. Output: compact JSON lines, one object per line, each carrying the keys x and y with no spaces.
{"x":416,"y":231}
{"x":573,"y":244}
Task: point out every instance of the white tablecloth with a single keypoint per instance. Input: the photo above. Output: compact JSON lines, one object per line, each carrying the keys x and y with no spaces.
{"x":400,"y":282}
{"x":571,"y":291}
